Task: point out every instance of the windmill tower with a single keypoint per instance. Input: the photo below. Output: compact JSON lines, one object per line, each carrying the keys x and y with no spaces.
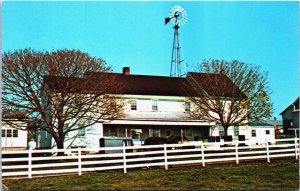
{"x":179,"y":17}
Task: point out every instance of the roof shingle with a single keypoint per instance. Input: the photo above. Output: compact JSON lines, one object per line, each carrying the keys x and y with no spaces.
{"x":134,"y":84}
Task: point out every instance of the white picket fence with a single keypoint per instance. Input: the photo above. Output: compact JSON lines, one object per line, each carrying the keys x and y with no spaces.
{"x":29,"y":163}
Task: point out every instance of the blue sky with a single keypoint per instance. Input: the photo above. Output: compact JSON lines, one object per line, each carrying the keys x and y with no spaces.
{"x":133,"y":34}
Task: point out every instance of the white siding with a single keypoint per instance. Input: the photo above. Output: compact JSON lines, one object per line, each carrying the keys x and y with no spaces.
{"x":90,"y":140}
{"x":145,"y":104}
{"x":19,"y":141}
{"x":261,"y":135}
{"x":243,"y":130}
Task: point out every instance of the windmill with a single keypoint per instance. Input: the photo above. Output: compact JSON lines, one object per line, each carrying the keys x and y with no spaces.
{"x":179,"y":17}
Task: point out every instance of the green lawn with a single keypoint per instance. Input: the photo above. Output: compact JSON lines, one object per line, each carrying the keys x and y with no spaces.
{"x":280,"y":174}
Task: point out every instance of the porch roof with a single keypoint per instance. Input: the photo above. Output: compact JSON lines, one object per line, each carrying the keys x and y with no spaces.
{"x":159,"y":122}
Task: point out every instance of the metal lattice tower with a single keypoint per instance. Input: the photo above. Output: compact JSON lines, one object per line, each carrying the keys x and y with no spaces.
{"x":179,"y":17}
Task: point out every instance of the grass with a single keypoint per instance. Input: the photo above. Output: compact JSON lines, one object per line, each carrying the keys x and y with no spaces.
{"x":280,"y":174}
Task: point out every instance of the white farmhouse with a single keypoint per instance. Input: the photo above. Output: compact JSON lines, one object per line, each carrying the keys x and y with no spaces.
{"x":155,"y":106}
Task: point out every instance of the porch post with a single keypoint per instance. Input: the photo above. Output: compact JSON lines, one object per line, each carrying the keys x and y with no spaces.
{"x":101,"y":127}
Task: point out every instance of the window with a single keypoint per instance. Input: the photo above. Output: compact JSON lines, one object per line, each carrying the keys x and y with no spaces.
{"x":15,"y":133}
{"x":154,"y":132}
{"x":9,"y":132}
{"x":133,"y":105}
{"x":81,"y":132}
{"x":187,"y":133}
{"x":154,"y":105}
{"x":221,"y":131}
{"x":236,"y":131}
{"x":187,"y":106}
{"x":113,"y":131}
{"x":268,"y":132}
{"x":253,"y":133}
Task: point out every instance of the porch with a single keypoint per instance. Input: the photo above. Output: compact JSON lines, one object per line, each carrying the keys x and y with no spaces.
{"x":140,"y":130}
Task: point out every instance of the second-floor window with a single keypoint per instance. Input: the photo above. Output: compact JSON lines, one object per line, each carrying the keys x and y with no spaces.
{"x":133,"y":105}
{"x":154,"y":105}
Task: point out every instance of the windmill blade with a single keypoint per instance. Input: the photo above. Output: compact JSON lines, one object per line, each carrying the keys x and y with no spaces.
{"x":178,"y":15}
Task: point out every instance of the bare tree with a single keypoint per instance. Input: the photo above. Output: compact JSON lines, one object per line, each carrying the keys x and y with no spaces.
{"x":51,"y":92}
{"x":229,"y":93}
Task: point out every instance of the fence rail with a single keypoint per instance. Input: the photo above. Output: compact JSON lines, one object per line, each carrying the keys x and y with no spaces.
{"x":51,"y":161}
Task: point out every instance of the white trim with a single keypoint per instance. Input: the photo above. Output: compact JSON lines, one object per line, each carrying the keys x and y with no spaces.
{"x":148,"y":122}
{"x":150,"y":97}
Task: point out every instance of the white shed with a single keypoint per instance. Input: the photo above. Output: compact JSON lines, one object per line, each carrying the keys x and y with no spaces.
{"x":13,"y":138}
{"x":260,"y":132}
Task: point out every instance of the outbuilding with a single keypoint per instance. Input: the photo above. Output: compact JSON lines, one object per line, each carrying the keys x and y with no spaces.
{"x":261,"y":132}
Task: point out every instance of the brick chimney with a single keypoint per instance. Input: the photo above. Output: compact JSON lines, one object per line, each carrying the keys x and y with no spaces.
{"x":222,"y":72}
{"x":126,"y":71}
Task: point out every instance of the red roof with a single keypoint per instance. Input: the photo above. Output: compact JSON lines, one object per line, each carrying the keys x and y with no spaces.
{"x":134,"y":84}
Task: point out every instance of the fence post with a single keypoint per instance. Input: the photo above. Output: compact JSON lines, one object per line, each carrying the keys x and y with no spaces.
{"x":267,"y":148}
{"x":236,"y":152}
{"x":296,"y":152}
{"x":124,"y":157}
{"x":29,"y":163}
{"x":79,"y":161}
{"x":298,"y":143}
{"x":202,"y":153}
{"x":166,"y":156}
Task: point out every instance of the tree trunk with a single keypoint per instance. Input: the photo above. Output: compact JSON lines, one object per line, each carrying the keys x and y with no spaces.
{"x":225,"y":132}
{"x":60,"y":144}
